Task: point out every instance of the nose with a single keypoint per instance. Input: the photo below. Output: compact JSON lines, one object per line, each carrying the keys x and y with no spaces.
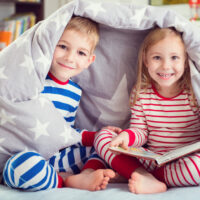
{"x":69,"y":56}
{"x":166,"y":64}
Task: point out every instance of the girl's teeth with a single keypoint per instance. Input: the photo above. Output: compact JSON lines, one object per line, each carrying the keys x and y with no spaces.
{"x":165,"y":75}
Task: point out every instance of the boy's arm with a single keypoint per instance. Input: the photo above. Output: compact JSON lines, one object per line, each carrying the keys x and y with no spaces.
{"x":88,"y":136}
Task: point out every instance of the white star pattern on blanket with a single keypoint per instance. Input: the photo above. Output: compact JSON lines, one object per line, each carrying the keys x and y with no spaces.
{"x":43,"y":101}
{"x":139,"y":16}
{"x":59,"y":23}
{"x":40,"y":129}
{"x":95,"y":8}
{"x":2,"y":75}
{"x":66,"y":134}
{"x":116,"y":104}
{"x":20,"y":41}
{"x":6,"y":118}
{"x":44,"y":61}
{"x":27,"y":64}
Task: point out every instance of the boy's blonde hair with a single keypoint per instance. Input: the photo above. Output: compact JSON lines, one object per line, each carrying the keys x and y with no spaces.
{"x":87,"y":27}
{"x":143,"y":77}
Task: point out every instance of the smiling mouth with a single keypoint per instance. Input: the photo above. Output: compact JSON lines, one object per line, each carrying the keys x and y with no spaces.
{"x":165,"y":76}
{"x":66,"y":66}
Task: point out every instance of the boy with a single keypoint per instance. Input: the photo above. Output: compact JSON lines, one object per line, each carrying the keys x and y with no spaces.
{"x":74,"y":52}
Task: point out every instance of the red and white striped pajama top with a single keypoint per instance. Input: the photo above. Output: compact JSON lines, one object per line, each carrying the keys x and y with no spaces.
{"x":163,"y":124}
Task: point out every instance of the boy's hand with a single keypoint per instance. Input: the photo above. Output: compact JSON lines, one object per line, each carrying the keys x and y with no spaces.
{"x":121,"y":140}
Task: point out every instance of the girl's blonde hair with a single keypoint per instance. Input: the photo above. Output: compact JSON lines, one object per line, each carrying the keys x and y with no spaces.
{"x":143,"y":77}
{"x":87,"y":27}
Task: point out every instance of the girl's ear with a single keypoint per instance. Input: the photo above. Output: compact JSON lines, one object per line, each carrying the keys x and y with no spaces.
{"x":186,"y":61}
{"x":145,"y":61}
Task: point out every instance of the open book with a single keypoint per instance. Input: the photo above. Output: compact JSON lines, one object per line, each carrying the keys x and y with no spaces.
{"x":141,"y":152}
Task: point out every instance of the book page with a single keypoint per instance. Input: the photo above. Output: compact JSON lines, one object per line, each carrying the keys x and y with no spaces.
{"x":180,"y":152}
{"x":138,"y":152}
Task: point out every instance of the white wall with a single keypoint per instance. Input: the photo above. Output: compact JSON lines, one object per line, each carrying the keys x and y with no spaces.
{"x":182,"y":9}
{"x":52,"y":5}
{"x":6,"y":9}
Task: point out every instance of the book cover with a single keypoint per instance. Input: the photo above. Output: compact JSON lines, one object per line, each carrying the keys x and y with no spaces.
{"x":5,"y":38}
{"x":6,"y":33}
{"x":22,"y":22}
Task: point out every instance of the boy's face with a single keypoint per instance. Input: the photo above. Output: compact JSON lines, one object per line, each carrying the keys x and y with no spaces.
{"x":72,"y":55}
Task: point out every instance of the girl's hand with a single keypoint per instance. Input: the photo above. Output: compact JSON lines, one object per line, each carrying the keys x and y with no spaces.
{"x":113,"y":128}
{"x":120,"y":140}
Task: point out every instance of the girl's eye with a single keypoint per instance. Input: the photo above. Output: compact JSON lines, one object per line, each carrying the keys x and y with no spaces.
{"x":174,"y":57}
{"x":156,"y":57}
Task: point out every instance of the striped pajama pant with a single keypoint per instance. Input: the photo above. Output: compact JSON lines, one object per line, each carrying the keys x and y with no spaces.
{"x":182,"y":172}
{"x":30,"y":171}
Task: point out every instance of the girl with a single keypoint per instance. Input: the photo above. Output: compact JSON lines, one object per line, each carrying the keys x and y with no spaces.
{"x":165,"y":116}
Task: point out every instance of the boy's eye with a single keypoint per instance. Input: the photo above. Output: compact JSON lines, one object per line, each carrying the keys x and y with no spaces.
{"x":81,"y":53}
{"x":62,"y":46}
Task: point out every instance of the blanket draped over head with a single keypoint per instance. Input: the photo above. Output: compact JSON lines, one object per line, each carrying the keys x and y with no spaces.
{"x":31,"y":122}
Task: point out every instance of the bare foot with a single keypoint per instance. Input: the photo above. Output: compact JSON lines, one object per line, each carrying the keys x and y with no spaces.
{"x":142,"y":182}
{"x":64,"y":175}
{"x":118,"y":179}
{"x":90,"y":180}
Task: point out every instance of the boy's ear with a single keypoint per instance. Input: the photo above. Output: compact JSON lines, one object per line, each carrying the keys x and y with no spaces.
{"x":92,"y":58}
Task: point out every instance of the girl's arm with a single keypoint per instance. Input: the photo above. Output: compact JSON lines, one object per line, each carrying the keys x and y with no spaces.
{"x":121,"y":140}
{"x":88,"y":136}
{"x":136,"y":134}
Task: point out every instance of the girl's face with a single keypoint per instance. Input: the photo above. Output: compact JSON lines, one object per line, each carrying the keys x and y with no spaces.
{"x":165,"y":62}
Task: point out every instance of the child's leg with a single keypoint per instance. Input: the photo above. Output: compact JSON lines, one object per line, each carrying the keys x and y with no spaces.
{"x":127,"y":166}
{"x":120,"y":163}
{"x":93,"y":176}
{"x":71,"y":159}
{"x":143,"y":182}
{"x":29,"y":171}
{"x":183,"y":172}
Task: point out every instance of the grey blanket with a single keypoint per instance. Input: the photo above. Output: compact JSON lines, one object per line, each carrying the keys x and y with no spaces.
{"x":31,"y":122}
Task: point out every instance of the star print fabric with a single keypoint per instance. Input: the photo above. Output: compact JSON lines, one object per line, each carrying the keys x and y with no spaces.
{"x":29,"y":121}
